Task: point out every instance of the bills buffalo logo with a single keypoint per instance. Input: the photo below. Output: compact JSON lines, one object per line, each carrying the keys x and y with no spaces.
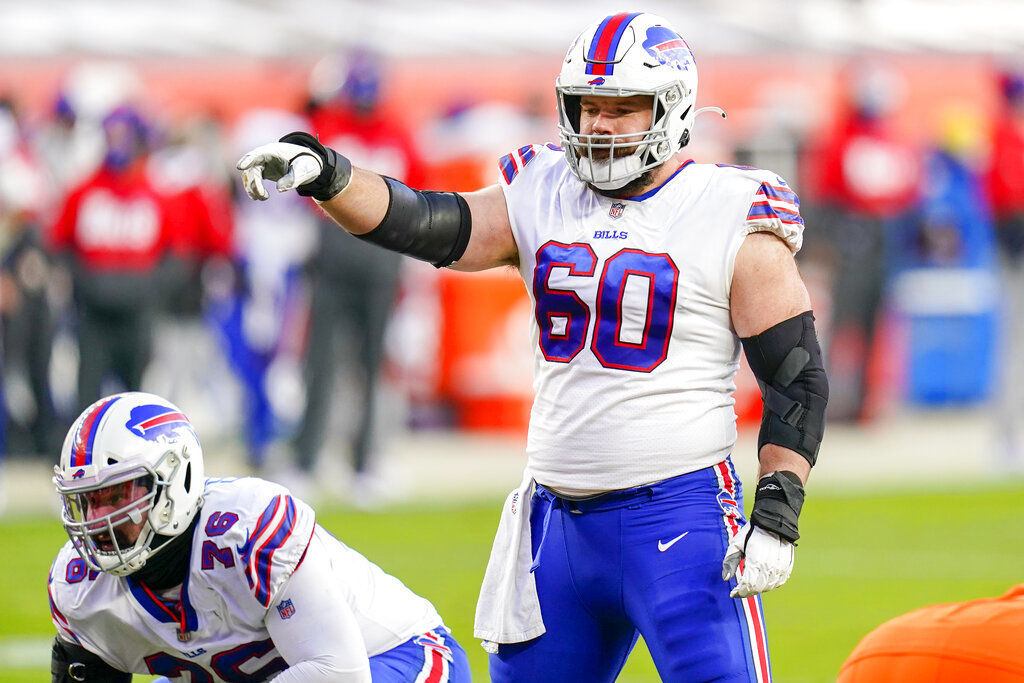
{"x":155,"y":422}
{"x":286,"y":609}
{"x":616,"y":209}
{"x":668,"y":47}
{"x":729,"y":505}
{"x":436,"y":643}
{"x":597,"y":81}
{"x":78,"y":475}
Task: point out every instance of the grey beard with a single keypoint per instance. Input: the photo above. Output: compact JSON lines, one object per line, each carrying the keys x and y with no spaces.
{"x":631,"y":189}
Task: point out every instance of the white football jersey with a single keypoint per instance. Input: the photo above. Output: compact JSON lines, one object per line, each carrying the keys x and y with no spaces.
{"x":635,"y":352}
{"x":250,"y":537}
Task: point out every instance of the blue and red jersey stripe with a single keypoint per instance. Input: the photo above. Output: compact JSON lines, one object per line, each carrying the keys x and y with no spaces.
{"x":58,"y":617}
{"x":511,"y":164}
{"x":772,"y":201}
{"x":86,"y":437}
{"x":258,"y":559}
{"x":606,"y":43}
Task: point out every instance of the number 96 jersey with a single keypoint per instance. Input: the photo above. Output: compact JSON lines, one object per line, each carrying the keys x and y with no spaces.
{"x":634,"y":349}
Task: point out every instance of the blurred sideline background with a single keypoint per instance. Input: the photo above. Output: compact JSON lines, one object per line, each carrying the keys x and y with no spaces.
{"x":130,"y":258}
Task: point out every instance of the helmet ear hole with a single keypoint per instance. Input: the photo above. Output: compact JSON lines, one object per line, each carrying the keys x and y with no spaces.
{"x":188,"y":477}
{"x":572,"y":110}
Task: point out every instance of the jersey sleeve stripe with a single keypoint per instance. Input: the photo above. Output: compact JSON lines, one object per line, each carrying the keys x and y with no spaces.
{"x":58,"y":618}
{"x":776,"y":192}
{"x":508,"y":168}
{"x":267,"y":539}
{"x":526,"y":154}
{"x":766,"y":210}
{"x":246,"y":551}
{"x":773,"y":201}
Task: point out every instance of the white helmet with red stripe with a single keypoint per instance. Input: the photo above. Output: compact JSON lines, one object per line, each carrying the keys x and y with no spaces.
{"x":620,"y":56}
{"x":131,"y":469}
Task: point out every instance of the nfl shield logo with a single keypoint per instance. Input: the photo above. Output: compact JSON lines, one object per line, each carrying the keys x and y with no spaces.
{"x":616,"y":210}
{"x":285,"y":608}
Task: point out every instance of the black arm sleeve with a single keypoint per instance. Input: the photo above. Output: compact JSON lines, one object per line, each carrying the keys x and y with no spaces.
{"x":430,"y":226}
{"x":70,"y":663}
{"x":786,"y":360}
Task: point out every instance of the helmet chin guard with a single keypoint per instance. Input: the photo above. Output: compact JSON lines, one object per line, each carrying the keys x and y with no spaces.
{"x":131,"y":465}
{"x":620,"y":56}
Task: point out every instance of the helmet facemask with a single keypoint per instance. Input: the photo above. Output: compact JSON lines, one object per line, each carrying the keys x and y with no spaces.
{"x":608,"y":162}
{"x":102,"y":540}
{"x":130,"y":478}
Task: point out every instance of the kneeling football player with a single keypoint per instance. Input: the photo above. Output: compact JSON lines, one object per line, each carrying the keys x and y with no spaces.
{"x":170,"y":573}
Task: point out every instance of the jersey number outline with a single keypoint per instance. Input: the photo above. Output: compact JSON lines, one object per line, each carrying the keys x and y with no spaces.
{"x":227,"y":665}
{"x":565,"y":306}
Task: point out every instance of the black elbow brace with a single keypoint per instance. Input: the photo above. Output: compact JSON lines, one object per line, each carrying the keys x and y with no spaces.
{"x":431,"y":226}
{"x":72,"y":663}
{"x":786,"y":360}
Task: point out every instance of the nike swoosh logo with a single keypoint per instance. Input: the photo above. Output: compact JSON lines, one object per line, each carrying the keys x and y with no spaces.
{"x":662,"y":546}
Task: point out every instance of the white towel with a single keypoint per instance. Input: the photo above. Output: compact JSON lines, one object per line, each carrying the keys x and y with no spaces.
{"x":508,"y":610}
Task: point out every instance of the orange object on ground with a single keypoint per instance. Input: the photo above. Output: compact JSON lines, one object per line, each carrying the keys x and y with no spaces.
{"x":978,"y":640}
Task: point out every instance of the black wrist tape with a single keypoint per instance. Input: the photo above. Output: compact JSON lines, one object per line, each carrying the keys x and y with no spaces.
{"x":777,"y":504}
{"x":336,"y":173}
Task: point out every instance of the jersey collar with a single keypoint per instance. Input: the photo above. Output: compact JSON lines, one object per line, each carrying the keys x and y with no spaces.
{"x":654,"y":190}
{"x":178,"y":612}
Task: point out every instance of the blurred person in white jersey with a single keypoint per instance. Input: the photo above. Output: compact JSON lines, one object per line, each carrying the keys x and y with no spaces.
{"x":647,"y":273}
{"x":170,"y":573}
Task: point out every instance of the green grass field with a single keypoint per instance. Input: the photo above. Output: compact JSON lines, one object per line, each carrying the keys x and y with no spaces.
{"x":862,"y":560}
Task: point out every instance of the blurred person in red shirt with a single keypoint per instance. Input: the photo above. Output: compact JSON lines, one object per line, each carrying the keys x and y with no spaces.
{"x":117,"y":235}
{"x":861,"y":175}
{"x":354,"y":285}
{"x":1005,"y":184}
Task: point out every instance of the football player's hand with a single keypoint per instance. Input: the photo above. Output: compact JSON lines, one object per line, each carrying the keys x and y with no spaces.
{"x":767,"y":561}
{"x":288,"y":165}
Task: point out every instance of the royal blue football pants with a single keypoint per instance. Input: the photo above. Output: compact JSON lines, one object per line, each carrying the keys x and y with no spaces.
{"x":640,"y":562}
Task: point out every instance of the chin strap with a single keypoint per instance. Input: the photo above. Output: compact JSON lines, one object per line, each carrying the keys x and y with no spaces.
{"x":717,"y":110}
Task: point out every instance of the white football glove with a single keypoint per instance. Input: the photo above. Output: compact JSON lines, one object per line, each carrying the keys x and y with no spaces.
{"x":287,"y":164}
{"x":768,"y":561}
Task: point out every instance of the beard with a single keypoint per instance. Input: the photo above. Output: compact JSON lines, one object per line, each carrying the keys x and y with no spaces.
{"x":631,"y":189}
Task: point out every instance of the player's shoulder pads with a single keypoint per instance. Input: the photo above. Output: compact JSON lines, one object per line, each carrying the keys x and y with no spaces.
{"x":786,"y":360}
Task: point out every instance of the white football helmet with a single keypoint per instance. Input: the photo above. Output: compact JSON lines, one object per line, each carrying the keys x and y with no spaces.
{"x":135,"y":458}
{"x":620,"y":56}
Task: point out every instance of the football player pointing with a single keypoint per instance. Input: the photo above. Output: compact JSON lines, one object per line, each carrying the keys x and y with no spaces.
{"x":169,"y":573}
{"x":647,"y":273}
